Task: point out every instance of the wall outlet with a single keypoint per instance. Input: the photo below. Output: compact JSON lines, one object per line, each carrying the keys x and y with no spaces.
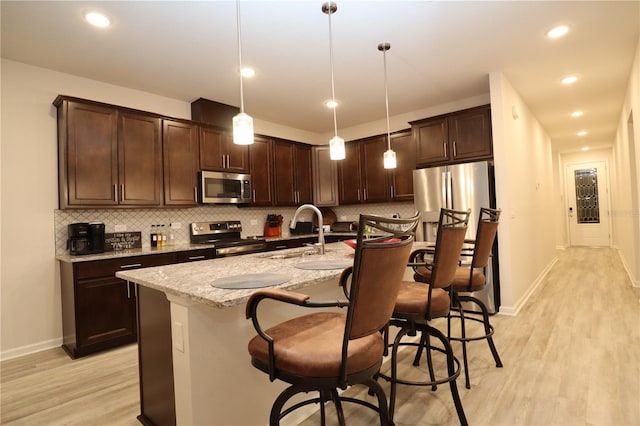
{"x":253,"y":222}
{"x":343,"y":218}
{"x":176,"y":225}
{"x":120,"y":228}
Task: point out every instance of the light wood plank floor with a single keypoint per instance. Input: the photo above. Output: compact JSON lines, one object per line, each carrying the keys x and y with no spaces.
{"x":571,"y":357}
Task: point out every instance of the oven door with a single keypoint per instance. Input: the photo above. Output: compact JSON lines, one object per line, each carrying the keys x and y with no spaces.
{"x":224,"y":188}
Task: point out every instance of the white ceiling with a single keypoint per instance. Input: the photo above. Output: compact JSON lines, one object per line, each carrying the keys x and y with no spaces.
{"x":441,"y":52}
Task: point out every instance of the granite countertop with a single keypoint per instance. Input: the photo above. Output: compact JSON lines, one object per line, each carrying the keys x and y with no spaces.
{"x":144,"y":251}
{"x":193,"y":280}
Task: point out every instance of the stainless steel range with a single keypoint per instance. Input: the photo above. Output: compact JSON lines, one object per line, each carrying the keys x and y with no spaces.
{"x":225,"y":236}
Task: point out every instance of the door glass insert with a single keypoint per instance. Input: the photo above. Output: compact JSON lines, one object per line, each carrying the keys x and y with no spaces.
{"x":587,"y":208}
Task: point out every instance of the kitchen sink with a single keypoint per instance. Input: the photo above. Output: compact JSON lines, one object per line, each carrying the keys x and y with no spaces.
{"x":319,"y":264}
{"x":292,"y":254}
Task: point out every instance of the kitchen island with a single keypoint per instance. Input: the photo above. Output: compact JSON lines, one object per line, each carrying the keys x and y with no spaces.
{"x":197,"y":334}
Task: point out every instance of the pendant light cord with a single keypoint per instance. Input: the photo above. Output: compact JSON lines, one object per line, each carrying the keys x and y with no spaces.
{"x":240,"y":54}
{"x":386,"y":95}
{"x":333,"y":89}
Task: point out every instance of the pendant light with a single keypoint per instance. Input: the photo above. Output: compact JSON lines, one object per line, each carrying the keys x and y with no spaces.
{"x":242,"y":122}
{"x":336,"y":143}
{"x":389,"y":155}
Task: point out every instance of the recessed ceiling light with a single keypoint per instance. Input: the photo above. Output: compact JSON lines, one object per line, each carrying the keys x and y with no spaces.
{"x":558,"y":31}
{"x":585,"y":148}
{"x":332,"y":103}
{"x":569,"y":79}
{"x":247,"y":72}
{"x":97,"y":19}
{"x":582,"y":133}
{"x":577,"y":114}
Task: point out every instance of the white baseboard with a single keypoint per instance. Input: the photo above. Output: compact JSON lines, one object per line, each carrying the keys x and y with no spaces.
{"x":634,"y":283}
{"x":513,"y":310}
{"x":30,"y":349}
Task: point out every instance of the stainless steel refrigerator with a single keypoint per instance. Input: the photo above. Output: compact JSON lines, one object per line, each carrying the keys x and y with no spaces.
{"x":459,"y":187}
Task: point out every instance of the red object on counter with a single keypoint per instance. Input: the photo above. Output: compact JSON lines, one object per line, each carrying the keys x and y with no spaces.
{"x":353,"y":243}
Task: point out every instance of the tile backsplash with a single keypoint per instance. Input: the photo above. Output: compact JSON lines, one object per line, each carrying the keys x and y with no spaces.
{"x":252,"y":218}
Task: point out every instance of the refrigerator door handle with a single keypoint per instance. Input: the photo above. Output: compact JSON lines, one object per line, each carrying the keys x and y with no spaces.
{"x":447,"y":187}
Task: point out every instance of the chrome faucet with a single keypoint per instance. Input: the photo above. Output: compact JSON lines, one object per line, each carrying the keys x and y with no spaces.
{"x":294,"y":220}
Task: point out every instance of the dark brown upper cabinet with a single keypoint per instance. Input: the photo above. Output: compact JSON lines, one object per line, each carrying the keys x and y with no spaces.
{"x":180,"y":152}
{"x":292,"y":173}
{"x":361,"y":175}
{"x":325,"y":177}
{"x":261,"y":169}
{"x":219,"y":153}
{"x":454,"y":138}
{"x":401,"y":178}
{"x":107,"y":156}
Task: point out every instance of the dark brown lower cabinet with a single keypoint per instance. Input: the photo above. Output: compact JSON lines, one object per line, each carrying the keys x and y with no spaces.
{"x":98,"y":309}
{"x":155,"y":361}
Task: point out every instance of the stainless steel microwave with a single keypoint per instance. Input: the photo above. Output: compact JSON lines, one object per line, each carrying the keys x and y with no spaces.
{"x":224,"y":188}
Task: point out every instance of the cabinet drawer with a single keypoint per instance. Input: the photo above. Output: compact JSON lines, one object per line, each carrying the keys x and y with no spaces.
{"x":194,"y":255}
{"x":108,"y":267}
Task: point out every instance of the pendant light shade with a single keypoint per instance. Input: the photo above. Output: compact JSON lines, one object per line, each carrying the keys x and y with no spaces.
{"x":242,"y":129}
{"x":336,"y":144}
{"x":242,"y":123}
{"x":389,"y":158}
{"x":336,"y":148}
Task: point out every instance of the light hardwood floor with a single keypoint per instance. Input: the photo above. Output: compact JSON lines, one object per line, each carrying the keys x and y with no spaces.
{"x":571,"y":357}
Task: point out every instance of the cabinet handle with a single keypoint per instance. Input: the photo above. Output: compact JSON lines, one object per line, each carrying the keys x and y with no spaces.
{"x":364,"y":192}
{"x":254,"y":195}
{"x":358,"y":194}
{"x":115,"y":192}
{"x":122,"y":192}
{"x":196,"y":257}
{"x":281,"y":247}
{"x":228,"y":161}
{"x":392,"y":192}
{"x":135,"y":290}
{"x":195,"y":194}
{"x":455,"y":151}
{"x":444,"y":144}
{"x":128,"y":290}
{"x":131,"y":265}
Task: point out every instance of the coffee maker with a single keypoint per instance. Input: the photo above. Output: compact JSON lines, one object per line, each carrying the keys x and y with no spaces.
{"x":85,"y":238}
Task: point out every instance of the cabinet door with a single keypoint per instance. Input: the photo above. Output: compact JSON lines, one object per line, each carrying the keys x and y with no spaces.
{"x":261,"y":166}
{"x":325,"y":178}
{"x":180,"y":151}
{"x":303,"y":175}
{"x":139,"y":160}
{"x":105,"y":312}
{"x":89,"y":170}
{"x":219,"y":153}
{"x":212,"y":155}
{"x":237,"y":156}
{"x":402,"y":176}
{"x":470,"y":135}
{"x":283,"y":155}
{"x":431,"y":142}
{"x":349,"y":181}
{"x":374,"y":176}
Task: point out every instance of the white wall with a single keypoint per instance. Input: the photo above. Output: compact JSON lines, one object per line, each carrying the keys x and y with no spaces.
{"x":524,"y":192}
{"x":626,"y":188}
